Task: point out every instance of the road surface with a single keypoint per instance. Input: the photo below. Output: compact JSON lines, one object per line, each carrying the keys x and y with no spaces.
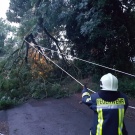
{"x":52,"y":117}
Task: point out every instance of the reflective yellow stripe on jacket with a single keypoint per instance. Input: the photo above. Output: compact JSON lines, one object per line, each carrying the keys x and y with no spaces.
{"x":85,"y":94}
{"x":88,"y":99}
{"x":100,"y":121}
{"x":120,"y":122}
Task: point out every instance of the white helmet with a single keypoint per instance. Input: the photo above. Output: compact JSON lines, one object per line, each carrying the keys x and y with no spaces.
{"x":109,"y":82}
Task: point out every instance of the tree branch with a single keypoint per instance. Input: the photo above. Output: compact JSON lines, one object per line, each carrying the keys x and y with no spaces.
{"x":40,"y":23}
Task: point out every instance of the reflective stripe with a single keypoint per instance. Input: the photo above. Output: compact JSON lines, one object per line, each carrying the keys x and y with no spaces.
{"x":90,"y":133}
{"x":119,"y":101}
{"x":122,"y":110}
{"x":121,"y":117}
{"x":110,"y":106}
{"x":85,"y":94}
{"x":100,"y":122}
{"x":88,"y":99}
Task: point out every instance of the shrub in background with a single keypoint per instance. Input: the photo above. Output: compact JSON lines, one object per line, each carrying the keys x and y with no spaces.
{"x":127,"y":86}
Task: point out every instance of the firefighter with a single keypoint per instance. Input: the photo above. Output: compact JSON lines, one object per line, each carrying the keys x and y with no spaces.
{"x":109,"y":106}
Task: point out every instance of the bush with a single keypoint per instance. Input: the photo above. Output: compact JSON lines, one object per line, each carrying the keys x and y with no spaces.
{"x":56,"y":90}
{"x":127,"y":86}
{"x":7,"y":102}
{"x":37,"y":89}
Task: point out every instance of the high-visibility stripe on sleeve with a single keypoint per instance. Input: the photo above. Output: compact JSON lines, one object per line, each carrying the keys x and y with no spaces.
{"x":120,"y":122}
{"x":100,"y":122}
{"x":85,"y":94}
{"x":88,"y":99}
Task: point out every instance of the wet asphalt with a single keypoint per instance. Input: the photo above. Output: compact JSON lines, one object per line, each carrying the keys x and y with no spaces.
{"x":52,"y":117}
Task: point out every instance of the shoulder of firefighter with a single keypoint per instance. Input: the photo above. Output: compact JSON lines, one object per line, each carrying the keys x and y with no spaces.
{"x":108,"y":115}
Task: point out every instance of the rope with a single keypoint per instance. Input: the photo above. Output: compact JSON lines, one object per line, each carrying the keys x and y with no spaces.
{"x":105,"y":67}
{"x":59,"y":66}
{"x":131,"y":107}
{"x":67,"y":73}
{"x":42,"y":48}
{"x":90,"y":62}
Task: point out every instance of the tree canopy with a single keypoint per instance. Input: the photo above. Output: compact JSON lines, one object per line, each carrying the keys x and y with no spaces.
{"x":101,"y":30}
{"x":5,"y":36}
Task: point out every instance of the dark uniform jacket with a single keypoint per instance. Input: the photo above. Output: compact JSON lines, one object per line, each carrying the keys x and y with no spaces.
{"x":109,"y":110}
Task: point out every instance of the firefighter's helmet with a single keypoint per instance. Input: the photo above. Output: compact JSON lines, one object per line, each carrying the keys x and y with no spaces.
{"x":109,"y":82}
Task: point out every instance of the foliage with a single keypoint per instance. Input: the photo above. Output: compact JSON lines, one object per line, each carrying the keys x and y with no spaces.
{"x":127,"y":86}
{"x":6,"y":103}
{"x":17,"y":9}
{"x":101,"y":31}
{"x":23,"y":82}
{"x":5,"y":39}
